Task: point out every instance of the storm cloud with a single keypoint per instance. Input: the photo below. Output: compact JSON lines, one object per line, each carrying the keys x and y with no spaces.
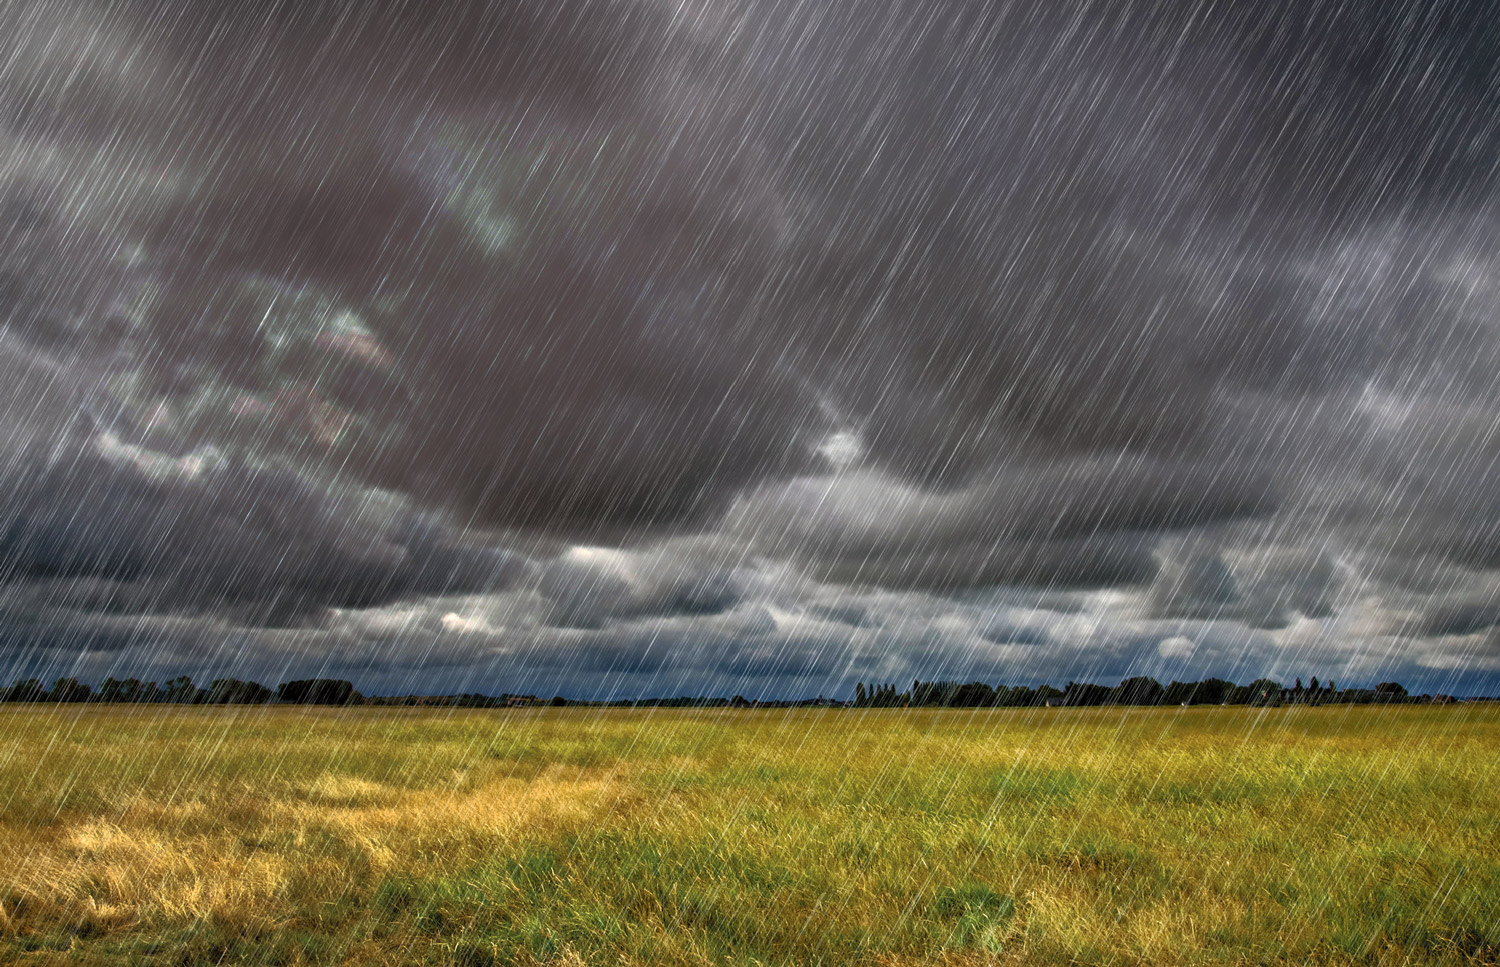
{"x":778,"y":334}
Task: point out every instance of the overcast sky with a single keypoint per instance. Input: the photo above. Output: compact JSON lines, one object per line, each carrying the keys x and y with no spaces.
{"x":627,"y":347}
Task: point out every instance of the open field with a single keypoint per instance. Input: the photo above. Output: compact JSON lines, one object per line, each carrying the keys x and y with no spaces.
{"x":387,"y":836}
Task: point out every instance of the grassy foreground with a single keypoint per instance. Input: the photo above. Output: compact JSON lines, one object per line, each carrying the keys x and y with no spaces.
{"x":391,"y":836}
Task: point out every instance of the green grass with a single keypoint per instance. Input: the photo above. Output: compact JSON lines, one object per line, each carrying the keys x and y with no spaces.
{"x":385,"y":836}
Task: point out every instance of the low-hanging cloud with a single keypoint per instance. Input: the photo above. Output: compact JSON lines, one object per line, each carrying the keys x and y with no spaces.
{"x":719,"y":316}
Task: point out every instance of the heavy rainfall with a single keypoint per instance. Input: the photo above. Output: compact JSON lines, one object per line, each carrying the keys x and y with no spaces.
{"x":751,"y":352}
{"x":625,"y":348}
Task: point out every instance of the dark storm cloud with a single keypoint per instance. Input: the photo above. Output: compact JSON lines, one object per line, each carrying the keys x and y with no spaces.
{"x":1009,"y":260}
{"x":1267,"y":592}
{"x":1462,"y":619}
{"x":1122,"y":559}
{"x":667,"y":653}
{"x":1068,"y":280}
{"x":587,"y":593}
{"x":853,"y":615}
{"x":1008,"y":633}
{"x":1087,"y":226}
{"x":538,"y":256}
{"x":35,"y":642}
{"x":1074,"y":521}
{"x":106,"y":531}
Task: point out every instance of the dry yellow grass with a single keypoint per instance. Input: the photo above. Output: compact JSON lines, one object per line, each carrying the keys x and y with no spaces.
{"x":385,"y":836}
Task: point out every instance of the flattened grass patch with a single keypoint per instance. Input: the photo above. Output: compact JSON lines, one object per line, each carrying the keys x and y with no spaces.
{"x":977,"y":916}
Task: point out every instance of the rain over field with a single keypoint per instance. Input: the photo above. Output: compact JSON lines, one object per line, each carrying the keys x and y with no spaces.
{"x":749,"y":481}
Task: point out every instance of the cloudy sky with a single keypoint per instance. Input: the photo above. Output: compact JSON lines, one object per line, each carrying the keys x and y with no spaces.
{"x":624,"y":347}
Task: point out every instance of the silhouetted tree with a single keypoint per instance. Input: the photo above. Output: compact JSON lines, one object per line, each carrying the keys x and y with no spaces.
{"x":1137,"y":691}
{"x":1082,"y":693}
{"x":317,"y":691}
{"x":232,"y":691}
{"x":1262,"y":691}
{"x":1014,"y":696}
{"x":951,"y":695}
{"x":68,"y":690}
{"x":25,"y":690}
{"x":1212,"y":691}
{"x":1047,"y":693}
{"x":182,"y":690}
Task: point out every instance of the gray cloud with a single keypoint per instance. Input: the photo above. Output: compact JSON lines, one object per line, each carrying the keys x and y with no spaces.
{"x":115,"y":527}
{"x":1072,"y":522}
{"x":309,"y":308}
{"x":587,"y":589}
{"x":1268,"y":589}
{"x":1464,"y":619}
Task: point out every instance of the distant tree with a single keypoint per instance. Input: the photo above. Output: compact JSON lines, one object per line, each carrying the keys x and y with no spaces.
{"x":1179,"y":693}
{"x":1390,"y":692}
{"x":1082,"y":693}
{"x":69,"y":690}
{"x":558,"y":701}
{"x":974,"y":695}
{"x":860,"y":698}
{"x":182,"y":690}
{"x":1208,"y":692}
{"x":1047,"y":693}
{"x":232,"y":691}
{"x":1212,"y":691}
{"x":1262,"y":691}
{"x":317,"y":691}
{"x":951,"y":695}
{"x":1016,"y":696}
{"x":1137,"y":691}
{"x":25,"y":690}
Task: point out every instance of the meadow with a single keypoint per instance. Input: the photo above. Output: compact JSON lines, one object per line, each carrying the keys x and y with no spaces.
{"x":277,"y":835}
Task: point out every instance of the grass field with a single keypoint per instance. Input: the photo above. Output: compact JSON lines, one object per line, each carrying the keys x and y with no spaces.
{"x":389,"y":836}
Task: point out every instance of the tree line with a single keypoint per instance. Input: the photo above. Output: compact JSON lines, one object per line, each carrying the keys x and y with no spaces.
{"x":182,"y":691}
{"x":1139,"y":690}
